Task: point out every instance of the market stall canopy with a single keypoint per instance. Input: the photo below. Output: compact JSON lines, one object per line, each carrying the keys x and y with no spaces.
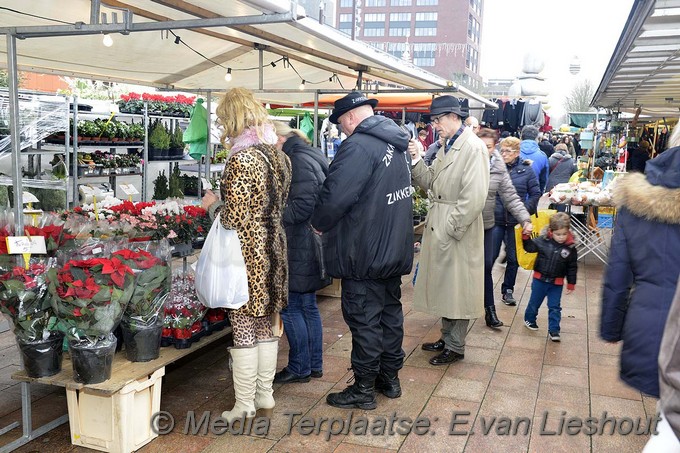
{"x":236,"y":36}
{"x":419,"y":102}
{"x":644,"y":70}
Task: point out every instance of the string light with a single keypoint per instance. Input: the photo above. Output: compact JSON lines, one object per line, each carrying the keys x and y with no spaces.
{"x":107,"y":41}
{"x":302,"y":85}
{"x":227,"y":76}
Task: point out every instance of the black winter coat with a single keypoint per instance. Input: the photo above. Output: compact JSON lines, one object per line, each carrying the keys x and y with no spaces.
{"x":526,"y":184}
{"x":555,"y":261}
{"x":643,"y":269}
{"x":309,"y":172}
{"x":365,"y":209}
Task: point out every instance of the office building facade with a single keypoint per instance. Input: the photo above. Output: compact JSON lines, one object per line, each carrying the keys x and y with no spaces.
{"x":441,"y":36}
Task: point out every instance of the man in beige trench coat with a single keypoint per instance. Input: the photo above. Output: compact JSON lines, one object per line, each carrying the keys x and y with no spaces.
{"x":450,"y":280}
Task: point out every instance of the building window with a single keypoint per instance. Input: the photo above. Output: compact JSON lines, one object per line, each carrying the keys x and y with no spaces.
{"x":426,"y":24}
{"x":376,"y":3}
{"x":396,"y":48}
{"x":400,"y":31}
{"x":400,"y":2}
{"x":345,"y":24}
{"x":400,"y":24}
{"x":374,"y":25}
{"x":476,"y":6}
{"x":400,"y":17}
{"x":346,"y":3}
{"x":472,"y":59}
{"x":374,"y":31}
{"x":427,"y":2}
{"x":422,"y":62}
{"x":426,"y":31}
{"x":423,"y":17}
{"x":473,"y":29}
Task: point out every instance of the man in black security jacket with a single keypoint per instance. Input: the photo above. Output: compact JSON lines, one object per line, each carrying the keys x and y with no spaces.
{"x":365,"y":214}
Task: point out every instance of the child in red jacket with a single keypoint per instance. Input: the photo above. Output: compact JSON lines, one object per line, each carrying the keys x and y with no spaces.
{"x":556,"y":260}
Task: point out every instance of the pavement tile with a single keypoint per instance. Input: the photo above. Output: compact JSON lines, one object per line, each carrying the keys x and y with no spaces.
{"x":520,"y":361}
{"x":516,"y":341}
{"x":605,"y":380}
{"x":575,"y":377}
{"x":619,"y":408}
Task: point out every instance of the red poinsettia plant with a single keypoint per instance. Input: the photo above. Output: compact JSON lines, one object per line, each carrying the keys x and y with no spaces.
{"x":147,"y":303}
{"x":183,"y":311}
{"x":24,"y":298}
{"x":89,"y":296}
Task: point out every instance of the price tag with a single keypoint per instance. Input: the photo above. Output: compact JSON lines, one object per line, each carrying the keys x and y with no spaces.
{"x":34,"y":245}
{"x":205,"y":184}
{"x":129,"y":189}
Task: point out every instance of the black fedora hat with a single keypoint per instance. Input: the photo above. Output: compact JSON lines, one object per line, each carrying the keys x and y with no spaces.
{"x":447,"y":104}
{"x":351,"y":101}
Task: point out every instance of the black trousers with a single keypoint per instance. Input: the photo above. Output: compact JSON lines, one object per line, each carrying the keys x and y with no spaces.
{"x":372,"y":310}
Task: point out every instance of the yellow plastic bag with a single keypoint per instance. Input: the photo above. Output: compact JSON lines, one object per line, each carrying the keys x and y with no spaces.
{"x":538,"y":221}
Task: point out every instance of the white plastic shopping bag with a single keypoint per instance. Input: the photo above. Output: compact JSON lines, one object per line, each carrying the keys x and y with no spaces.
{"x":221,"y":279}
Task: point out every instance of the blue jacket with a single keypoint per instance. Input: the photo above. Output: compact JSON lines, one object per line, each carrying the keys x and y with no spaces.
{"x":643,"y":269}
{"x":526,"y":184}
{"x":528,"y":149}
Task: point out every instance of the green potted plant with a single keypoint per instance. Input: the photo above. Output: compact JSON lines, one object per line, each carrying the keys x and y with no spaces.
{"x":177,"y":142}
{"x":175,"y":183}
{"x":136,"y":133}
{"x":160,"y":186}
{"x":159,"y":141}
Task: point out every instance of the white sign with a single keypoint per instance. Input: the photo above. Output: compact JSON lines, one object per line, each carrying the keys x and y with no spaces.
{"x":205,"y":184}
{"x":24,"y":244}
{"x":129,"y":189}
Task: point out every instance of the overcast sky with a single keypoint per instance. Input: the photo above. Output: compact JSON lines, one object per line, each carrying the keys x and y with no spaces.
{"x":557,"y":30}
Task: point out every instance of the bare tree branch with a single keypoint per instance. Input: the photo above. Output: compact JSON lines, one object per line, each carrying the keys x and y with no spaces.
{"x":578,"y":100}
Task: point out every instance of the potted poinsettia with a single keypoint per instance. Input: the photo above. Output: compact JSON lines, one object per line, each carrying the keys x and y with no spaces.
{"x":142,"y":321}
{"x":88,"y":298}
{"x":24,"y":298}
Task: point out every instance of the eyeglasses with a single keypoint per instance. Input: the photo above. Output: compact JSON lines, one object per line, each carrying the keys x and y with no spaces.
{"x":437,"y":119}
{"x":507,"y":151}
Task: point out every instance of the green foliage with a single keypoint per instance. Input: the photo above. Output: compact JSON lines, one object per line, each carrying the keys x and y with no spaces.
{"x":136,"y":132}
{"x":159,"y":137}
{"x":175,"y":184}
{"x":177,"y":138}
{"x":160,"y":187}
{"x":420,"y":204}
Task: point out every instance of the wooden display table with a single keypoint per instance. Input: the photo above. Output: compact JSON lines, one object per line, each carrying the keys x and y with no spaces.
{"x":115,"y":415}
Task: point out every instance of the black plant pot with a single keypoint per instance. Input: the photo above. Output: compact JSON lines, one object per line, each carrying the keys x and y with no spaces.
{"x":92,"y":363}
{"x":142,"y":343}
{"x":42,"y":358}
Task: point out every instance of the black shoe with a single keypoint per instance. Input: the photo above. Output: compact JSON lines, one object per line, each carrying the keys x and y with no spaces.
{"x":491,"y":318}
{"x":531,"y":325}
{"x":317,"y":374}
{"x":286,"y":377}
{"x":359,"y":395}
{"x":388,"y":384}
{"x":554,"y":336}
{"x":508,"y":298}
{"x":434,"y":347}
{"x":446,"y":357}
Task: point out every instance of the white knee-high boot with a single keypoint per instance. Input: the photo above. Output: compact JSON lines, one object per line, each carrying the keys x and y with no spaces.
{"x":244,"y":372}
{"x":266,"y":369}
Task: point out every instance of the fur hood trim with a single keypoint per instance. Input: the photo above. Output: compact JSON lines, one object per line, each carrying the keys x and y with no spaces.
{"x":656,"y":203}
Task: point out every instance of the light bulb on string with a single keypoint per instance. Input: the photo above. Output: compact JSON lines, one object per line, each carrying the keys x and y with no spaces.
{"x":302,"y":85}
{"x":107,"y":41}
{"x":227,"y":76}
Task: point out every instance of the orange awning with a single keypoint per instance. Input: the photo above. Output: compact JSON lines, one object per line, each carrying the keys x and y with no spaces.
{"x":386,"y":101}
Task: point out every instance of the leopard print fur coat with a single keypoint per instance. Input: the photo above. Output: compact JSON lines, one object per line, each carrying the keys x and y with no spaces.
{"x":254,"y":187}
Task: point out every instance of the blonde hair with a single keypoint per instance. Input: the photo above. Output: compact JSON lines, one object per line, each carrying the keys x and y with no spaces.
{"x":284,"y":130}
{"x":237,"y":111}
{"x":511,"y":142}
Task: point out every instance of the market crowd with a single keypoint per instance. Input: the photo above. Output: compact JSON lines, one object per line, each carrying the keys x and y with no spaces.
{"x":301,"y":221}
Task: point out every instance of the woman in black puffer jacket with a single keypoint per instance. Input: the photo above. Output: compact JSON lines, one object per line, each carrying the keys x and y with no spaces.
{"x":301,"y":319}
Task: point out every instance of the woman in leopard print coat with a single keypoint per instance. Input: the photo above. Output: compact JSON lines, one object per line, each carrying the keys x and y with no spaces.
{"x":254,"y":188}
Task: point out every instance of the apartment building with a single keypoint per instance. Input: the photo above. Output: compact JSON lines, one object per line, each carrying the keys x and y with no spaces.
{"x":441,"y":36}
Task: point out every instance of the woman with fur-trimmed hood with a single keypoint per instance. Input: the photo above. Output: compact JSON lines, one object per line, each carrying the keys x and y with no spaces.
{"x":643,"y":269}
